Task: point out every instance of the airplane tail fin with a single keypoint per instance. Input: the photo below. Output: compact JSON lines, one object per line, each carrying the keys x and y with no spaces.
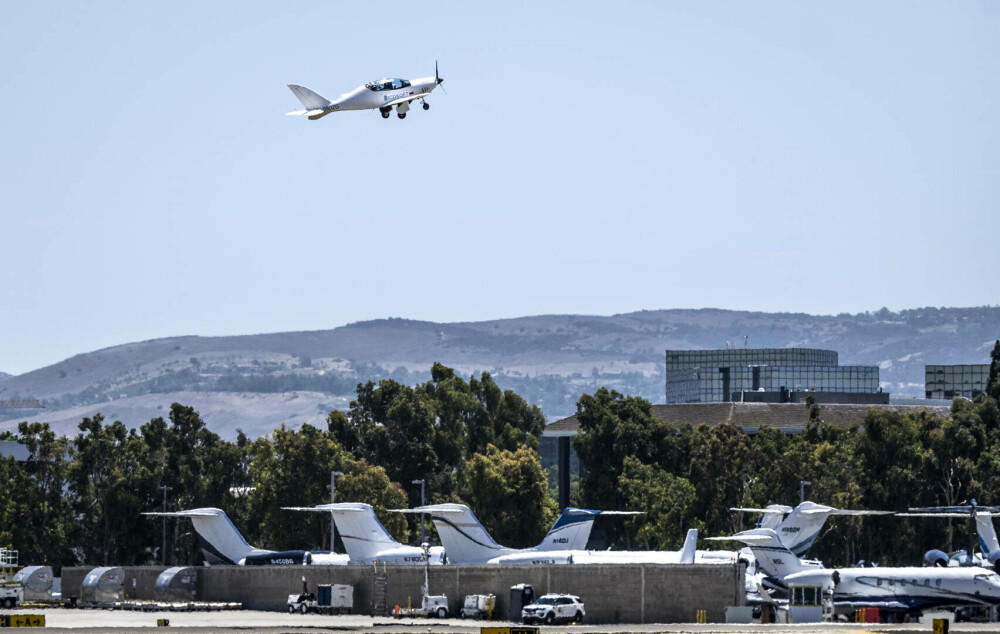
{"x":690,"y":547}
{"x":773,"y":557}
{"x":310,"y":99}
{"x":571,"y":530}
{"x":988,"y":542}
{"x":364,"y":536}
{"x":802,"y":525}
{"x":220,"y":542}
{"x":463,"y":537}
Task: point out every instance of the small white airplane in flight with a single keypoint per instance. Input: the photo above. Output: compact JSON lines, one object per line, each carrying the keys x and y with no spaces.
{"x":221,"y":543}
{"x":383,"y":94}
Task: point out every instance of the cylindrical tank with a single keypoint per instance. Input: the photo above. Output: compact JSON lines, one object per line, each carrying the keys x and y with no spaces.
{"x":36,"y":582}
{"x":176,"y":584}
{"x":103,"y":585}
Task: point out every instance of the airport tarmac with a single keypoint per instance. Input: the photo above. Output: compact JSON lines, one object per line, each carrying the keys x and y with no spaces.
{"x":66,"y":621}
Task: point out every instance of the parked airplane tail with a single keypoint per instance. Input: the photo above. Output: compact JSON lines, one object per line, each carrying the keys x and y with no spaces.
{"x":800,"y":528}
{"x":220,"y":541}
{"x":364,"y":536}
{"x":773,"y":557}
{"x":463,"y":537}
{"x":988,"y":542}
{"x":690,"y":547}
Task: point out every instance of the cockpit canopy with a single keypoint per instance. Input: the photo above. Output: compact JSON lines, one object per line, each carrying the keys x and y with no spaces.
{"x":387,"y":84}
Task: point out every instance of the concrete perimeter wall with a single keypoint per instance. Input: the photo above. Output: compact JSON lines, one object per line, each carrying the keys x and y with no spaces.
{"x":645,"y":593}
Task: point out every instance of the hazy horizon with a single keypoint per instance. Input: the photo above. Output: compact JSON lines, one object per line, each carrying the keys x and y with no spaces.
{"x":586,"y":159}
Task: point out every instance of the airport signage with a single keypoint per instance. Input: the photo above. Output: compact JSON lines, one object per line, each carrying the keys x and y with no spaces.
{"x":22,"y":620}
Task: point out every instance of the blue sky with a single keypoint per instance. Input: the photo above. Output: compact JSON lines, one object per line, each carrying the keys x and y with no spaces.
{"x":588,"y":158}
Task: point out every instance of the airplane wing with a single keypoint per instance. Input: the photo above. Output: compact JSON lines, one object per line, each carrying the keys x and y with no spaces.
{"x":776,"y":509}
{"x":851,"y":512}
{"x":327,"y":508}
{"x":191,"y":513}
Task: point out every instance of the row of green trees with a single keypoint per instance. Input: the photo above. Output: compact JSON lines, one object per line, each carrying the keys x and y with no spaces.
{"x":79,"y":500}
{"x":684,"y":477}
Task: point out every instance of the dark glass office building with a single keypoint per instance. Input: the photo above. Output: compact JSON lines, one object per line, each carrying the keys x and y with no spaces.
{"x":953,"y":381}
{"x":713,"y":376}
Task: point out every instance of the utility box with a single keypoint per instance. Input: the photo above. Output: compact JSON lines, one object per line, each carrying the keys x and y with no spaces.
{"x":177,"y":584}
{"x":36,"y":582}
{"x":339,"y":597}
{"x":520,"y":595}
{"x":103,"y":585}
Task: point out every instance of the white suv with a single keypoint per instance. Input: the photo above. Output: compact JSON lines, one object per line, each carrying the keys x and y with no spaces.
{"x":552,"y":608}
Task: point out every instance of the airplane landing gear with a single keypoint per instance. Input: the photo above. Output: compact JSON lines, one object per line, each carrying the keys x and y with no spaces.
{"x":385,"y":112}
{"x":427,"y":106}
{"x":401,"y":115}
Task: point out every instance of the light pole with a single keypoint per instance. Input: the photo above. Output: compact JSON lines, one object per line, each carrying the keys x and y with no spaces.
{"x":163,"y":553}
{"x":333,"y":525}
{"x":802,"y":489}
{"x":421,"y":483}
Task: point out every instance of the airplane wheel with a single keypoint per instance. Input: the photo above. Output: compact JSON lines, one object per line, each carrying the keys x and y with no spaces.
{"x":385,"y":115}
{"x":401,"y":115}
{"x":427,"y":106}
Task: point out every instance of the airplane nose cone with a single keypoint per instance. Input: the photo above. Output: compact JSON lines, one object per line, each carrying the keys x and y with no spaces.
{"x":440,"y":80}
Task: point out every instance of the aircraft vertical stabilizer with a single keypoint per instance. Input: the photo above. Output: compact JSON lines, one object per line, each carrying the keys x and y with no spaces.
{"x":463,"y":537}
{"x":220,"y":542}
{"x":690,"y":547}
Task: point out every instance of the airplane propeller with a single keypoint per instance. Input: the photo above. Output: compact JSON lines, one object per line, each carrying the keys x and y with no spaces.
{"x":438,"y":78}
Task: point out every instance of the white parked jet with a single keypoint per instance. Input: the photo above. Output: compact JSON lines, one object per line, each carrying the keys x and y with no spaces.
{"x":367,"y":540}
{"x":221,"y":543}
{"x":467,"y":541}
{"x":903,"y":590}
{"x":383,"y":94}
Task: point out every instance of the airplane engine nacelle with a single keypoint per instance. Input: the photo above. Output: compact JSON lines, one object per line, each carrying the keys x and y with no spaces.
{"x":284,"y":558}
{"x":936,"y":558}
{"x":994,"y":558}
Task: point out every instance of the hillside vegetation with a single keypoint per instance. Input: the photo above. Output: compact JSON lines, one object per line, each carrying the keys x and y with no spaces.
{"x":259,"y":381}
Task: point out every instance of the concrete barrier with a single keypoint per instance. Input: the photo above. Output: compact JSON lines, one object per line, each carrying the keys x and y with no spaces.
{"x":644,"y":593}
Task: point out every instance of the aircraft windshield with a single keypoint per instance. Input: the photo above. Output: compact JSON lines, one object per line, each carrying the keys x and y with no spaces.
{"x":994,"y":578}
{"x":387,"y":84}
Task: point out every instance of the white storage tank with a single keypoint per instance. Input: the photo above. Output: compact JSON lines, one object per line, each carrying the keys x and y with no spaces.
{"x":103,"y":585}
{"x":176,"y":584}
{"x":36,"y":582}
